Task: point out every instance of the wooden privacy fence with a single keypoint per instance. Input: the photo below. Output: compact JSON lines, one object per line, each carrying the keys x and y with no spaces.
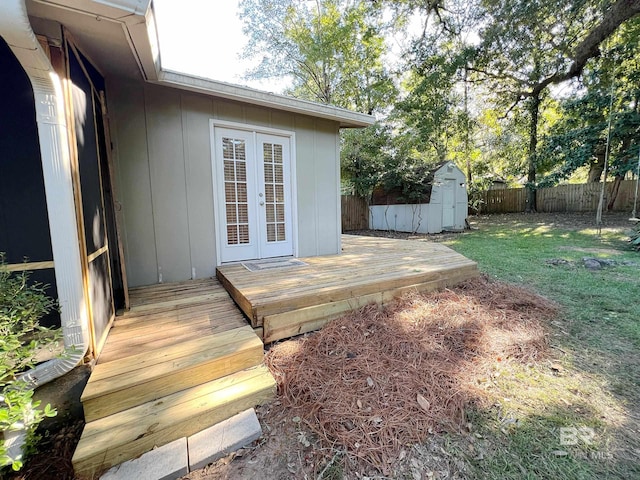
{"x":563,"y":198}
{"x":506,"y":200}
{"x":355,"y":213}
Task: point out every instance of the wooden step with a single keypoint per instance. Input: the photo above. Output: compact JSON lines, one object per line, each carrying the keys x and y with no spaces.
{"x":125,"y":435}
{"x":307,"y":319}
{"x":141,"y":378}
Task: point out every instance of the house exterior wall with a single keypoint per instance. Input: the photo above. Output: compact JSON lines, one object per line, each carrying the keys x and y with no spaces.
{"x":162,"y":159}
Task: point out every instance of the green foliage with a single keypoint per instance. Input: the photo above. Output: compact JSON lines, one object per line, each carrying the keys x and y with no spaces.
{"x":364,"y":156}
{"x":374,"y":157}
{"x":580,"y":136}
{"x":598,"y":325}
{"x":472,"y":86}
{"x":333,"y":49}
{"x":428,"y":113}
{"x":22,"y":304}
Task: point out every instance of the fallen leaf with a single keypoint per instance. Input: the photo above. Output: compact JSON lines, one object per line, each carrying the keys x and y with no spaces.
{"x":423,"y":402}
{"x":359,"y":403}
{"x":370,"y":381}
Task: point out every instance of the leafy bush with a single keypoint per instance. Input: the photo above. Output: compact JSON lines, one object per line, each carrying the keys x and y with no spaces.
{"x":22,"y":305}
{"x":635,"y":237}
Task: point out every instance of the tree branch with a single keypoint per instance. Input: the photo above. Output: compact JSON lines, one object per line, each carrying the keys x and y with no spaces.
{"x":589,"y":47}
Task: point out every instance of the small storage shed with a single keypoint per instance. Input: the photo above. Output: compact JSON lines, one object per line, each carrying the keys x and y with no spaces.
{"x":444,"y":209}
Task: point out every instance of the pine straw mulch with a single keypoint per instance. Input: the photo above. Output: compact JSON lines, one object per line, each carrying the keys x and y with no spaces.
{"x":379,"y":379}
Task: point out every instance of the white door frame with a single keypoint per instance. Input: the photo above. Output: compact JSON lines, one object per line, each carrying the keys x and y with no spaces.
{"x":255,"y":130}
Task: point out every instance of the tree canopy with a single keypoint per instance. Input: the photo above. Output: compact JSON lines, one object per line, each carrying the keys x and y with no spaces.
{"x":516,"y":89}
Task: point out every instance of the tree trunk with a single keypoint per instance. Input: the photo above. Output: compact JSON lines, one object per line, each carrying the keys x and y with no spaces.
{"x":614,"y":192}
{"x":467,"y":126}
{"x":596,"y":167}
{"x":534,"y":108}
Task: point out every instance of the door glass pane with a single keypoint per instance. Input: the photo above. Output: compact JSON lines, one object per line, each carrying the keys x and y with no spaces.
{"x":235,"y":191}
{"x":274,"y":192}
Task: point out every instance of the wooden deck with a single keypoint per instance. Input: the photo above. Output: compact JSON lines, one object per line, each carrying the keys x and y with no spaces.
{"x":182,"y":359}
{"x":284,"y":302}
{"x":185,"y":358}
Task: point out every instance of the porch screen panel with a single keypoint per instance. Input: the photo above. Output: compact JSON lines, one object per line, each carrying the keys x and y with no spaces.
{"x":91,"y":193}
{"x":274,"y":192}
{"x":235,"y":191}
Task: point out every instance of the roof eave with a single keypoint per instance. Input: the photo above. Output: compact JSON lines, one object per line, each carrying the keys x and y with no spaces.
{"x":345,"y":118}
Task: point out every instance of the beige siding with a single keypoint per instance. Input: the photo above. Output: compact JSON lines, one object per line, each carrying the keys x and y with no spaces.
{"x":133,"y":184}
{"x":163,"y":162}
{"x":196,"y":113}
{"x":327,"y":179}
{"x":168,"y":182}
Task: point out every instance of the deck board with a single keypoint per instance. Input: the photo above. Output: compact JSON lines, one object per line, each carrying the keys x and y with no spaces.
{"x":368,"y":269}
{"x":162,"y":315}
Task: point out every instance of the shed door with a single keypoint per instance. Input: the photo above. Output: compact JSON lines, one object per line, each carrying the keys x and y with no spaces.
{"x":253,"y":185}
{"x":448,"y":203}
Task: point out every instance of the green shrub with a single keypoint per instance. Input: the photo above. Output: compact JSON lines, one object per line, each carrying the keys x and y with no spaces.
{"x":22,"y":305}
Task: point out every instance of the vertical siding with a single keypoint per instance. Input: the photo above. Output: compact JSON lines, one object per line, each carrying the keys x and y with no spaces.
{"x":326,"y":184}
{"x":257,"y":116}
{"x":133,"y":185}
{"x":306,"y":183}
{"x":168,"y":182}
{"x":196,"y":113}
{"x":163,"y":163}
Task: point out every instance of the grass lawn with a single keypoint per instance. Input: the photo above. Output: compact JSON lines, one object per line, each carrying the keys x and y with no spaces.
{"x":577,"y":413}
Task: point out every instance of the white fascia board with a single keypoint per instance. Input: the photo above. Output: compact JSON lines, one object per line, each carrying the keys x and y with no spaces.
{"x":112,"y":9}
{"x":346,"y":118}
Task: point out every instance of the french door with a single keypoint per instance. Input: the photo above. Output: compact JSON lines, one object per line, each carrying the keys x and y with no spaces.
{"x":253,"y":194}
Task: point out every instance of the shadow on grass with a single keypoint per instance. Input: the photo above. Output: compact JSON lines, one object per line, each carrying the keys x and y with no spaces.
{"x":555,"y":443}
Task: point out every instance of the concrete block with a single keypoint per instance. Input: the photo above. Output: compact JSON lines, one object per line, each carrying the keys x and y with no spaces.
{"x":163,"y":463}
{"x":223,"y":438}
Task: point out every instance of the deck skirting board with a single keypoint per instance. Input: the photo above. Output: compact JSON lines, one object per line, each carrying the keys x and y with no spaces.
{"x":295,"y":322}
{"x":287,"y":302}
